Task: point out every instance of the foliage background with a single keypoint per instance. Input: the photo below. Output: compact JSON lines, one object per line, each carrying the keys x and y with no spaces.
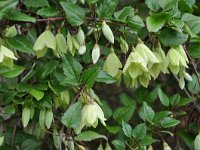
{"x":41,"y":84}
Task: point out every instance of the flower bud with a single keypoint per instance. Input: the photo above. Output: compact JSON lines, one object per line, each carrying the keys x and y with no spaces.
{"x":107,"y":32}
{"x":42,"y":116}
{"x":75,"y":43}
{"x":181,"y":83}
{"x":166,"y":146}
{"x":25,"y":116}
{"x":48,"y":118}
{"x":80,"y":36}
{"x":150,"y":147}
{"x":123,"y":45}
{"x":187,"y":76}
{"x":1,"y":140}
{"x":197,"y":142}
{"x":70,"y":43}
{"x":82,"y":50}
{"x":61,"y":44}
{"x":95,"y":53}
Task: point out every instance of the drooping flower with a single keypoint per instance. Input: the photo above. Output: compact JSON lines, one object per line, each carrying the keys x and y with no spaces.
{"x":90,"y":115}
{"x":166,"y":146}
{"x":107,"y":32}
{"x":95,"y":53}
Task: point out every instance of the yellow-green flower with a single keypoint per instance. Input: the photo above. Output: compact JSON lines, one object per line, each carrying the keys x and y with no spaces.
{"x":90,"y":115}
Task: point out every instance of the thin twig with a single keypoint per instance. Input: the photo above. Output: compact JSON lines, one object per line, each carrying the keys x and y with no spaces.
{"x":13,"y":136}
{"x":50,"y":19}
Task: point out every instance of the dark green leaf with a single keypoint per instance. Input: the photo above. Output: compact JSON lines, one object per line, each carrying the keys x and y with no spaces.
{"x":89,"y":76}
{"x":20,"y":43}
{"x":146,"y":113}
{"x":74,"y":14}
{"x":6,"y":6}
{"x":19,"y":16}
{"x":72,"y":70}
{"x":174,"y":100}
{"x":169,"y":122}
{"x":139,"y":132}
{"x":136,"y":23}
{"x":124,"y":13}
{"x":118,"y":144}
{"x":193,"y":86}
{"x":167,"y":4}
{"x":163,"y":97}
{"x":161,"y":115}
{"x":194,"y":50}
{"x":106,"y":8}
{"x":72,"y":117}
{"x":11,"y":73}
{"x":192,"y":21}
{"x":104,"y":77}
{"x":89,"y":136}
{"x":113,"y":129}
{"x":49,"y":68}
{"x":147,"y":140}
{"x":36,"y":3}
{"x":171,"y":37}
{"x":47,"y":12}
{"x":127,"y":129}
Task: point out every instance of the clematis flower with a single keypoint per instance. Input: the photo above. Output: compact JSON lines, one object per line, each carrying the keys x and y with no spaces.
{"x":90,"y":115}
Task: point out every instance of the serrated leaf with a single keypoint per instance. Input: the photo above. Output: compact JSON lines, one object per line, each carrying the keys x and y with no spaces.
{"x":147,"y":140}
{"x":118,"y":144}
{"x":127,"y":129}
{"x":146,"y":113}
{"x":106,"y":8}
{"x":89,"y":76}
{"x":153,"y":4}
{"x":72,"y":70}
{"x":139,"y":132}
{"x":49,"y":68}
{"x":104,"y":77}
{"x":74,"y":14}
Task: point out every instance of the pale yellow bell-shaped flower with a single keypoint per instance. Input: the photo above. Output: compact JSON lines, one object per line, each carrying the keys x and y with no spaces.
{"x":6,"y":53}
{"x":90,"y":114}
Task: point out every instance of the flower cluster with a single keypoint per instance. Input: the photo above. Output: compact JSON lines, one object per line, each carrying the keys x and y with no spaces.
{"x":142,"y":64}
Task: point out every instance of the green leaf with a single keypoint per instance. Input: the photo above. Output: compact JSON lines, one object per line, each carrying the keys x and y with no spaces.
{"x":118,"y":144}
{"x":89,"y":136}
{"x":161,"y":115}
{"x":124,"y":113}
{"x":171,"y":37}
{"x":72,"y":70}
{"x":49,"y":68}
{"x":106,"y":8}
{"x":156,"y":21}
{"x":36,"y":3}
{"x":135,"y":22}
{"x":194,"y":50}
{"x":163,"y":98}
{"x":7,"y":6}
{"x":127,"y":129}
{"x":19,"y":16}
{"x":74,"y":14}
{"x":146,"y":113}
{"x":89,"y":76}
{"x":11,"y":73}
{"x":139,"y":132}
{"x":37,"y":94}
{"x":184,"y":101}
{"x":192,"y":21}
{"x":193,"y":86}
{"x":147,"y":140}
{"x":124,"y":13}
{"x":174,"y":100}
{"x":47,"y":12}
{"x":104,"y":77}
{"x":72,"y":117}
{"x":167,"y":4}
{"x":153,"y":4}
{"x":169,"y":122}
{"x":113,"y":129}
{"x":20,"y":43}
